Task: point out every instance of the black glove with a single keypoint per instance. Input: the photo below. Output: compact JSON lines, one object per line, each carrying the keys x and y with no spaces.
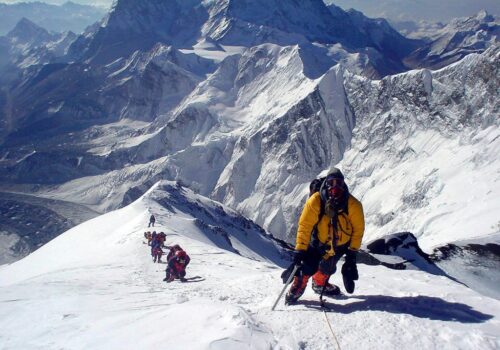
{"x":299,"y":256}
{"x":350,"y":256}
{"x":350,"y":271}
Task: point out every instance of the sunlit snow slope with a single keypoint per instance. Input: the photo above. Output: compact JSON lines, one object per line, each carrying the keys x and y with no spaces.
{"x":96,"y":287}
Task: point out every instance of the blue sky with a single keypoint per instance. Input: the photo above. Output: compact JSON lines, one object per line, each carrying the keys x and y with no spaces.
{"x":431,"y":10}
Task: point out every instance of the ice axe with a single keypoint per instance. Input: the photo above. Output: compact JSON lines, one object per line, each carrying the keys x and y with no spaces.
{"x":288,"y":281}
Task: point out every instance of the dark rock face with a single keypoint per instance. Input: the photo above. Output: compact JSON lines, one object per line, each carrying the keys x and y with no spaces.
{"x":475,"y":264}
{"x":35,"y":221}
{"x":404,"y":245}
{"x":489,"y":251}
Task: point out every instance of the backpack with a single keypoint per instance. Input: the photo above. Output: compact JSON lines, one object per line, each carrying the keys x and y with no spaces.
{"x":315,"y":185}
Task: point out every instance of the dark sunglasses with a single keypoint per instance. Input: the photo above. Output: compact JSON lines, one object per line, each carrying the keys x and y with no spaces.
{"x":334,"y":182}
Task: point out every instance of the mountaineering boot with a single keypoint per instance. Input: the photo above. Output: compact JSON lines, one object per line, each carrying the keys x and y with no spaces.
{"x":320,"y":279}
{"x":298,"y":287}
{"x":290,"y":298}
{"x":169,"y":277}
{"x":330,"y":289}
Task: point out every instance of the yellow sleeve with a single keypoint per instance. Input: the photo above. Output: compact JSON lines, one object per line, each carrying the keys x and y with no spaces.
{"x":357,"y":218}
{"x":308,"y":218}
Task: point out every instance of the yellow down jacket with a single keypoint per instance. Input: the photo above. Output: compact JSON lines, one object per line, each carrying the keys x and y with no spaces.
{"x":351,"y":225}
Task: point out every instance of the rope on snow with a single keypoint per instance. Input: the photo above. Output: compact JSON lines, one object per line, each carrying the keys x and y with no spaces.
{"x":331,"y":330}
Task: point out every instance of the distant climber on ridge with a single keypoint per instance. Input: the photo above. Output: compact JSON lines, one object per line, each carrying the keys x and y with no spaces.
{"x":156,"y":244}
{"x":331,"y":225}
{"x":152,"y":221}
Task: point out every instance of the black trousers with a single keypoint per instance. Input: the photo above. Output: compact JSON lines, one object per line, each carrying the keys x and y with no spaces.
{"x":314,"y":261}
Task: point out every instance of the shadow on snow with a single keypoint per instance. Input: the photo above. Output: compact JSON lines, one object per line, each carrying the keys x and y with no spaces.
{"x":419,"y":306}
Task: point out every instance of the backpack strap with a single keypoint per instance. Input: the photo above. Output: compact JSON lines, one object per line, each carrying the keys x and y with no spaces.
{"x":314,"y":234}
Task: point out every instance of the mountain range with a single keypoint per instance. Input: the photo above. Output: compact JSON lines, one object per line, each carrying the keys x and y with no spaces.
{"x":245,"y":102}
{"x":422,"y":10}
{"x":55,"y":18}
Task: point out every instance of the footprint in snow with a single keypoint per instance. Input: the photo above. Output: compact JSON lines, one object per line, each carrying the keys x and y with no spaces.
{"x":182,"y":299}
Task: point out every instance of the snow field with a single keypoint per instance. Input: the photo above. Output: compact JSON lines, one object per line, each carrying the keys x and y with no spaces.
{"x":95,"y":287}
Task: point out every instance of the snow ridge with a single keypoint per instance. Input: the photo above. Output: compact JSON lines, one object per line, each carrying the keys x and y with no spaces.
{"x":95,"y":285}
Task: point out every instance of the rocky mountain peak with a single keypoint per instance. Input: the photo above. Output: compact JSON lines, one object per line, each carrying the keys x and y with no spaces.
{"x":26,"y":31}
{"x":310,"y":19}
{"x":138,"y":25}
{"x":483,"y":15}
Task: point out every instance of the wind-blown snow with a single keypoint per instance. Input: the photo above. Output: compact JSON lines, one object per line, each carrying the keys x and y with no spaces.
{"x":95,"y":286}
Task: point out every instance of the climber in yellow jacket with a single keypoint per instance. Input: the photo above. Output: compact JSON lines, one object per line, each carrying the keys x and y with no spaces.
{"x":331,"y":225}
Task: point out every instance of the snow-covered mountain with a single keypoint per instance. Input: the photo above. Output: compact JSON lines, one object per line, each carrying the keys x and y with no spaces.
{"x":421,"y":10}
{"x":65,"y":17}
{"x":379,"y":32}
{"x":133,"y":25}
{"x":421,"y":30}
{"x":95,"y":286}
{"x":251,"y":126}
{"x":459,"y":38}
{"x":28,"y":33}
{"x":258,"y":156}
{"x":29,"y":44}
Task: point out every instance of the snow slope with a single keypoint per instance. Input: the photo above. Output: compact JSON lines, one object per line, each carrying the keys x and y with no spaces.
{"x":95,"y":287}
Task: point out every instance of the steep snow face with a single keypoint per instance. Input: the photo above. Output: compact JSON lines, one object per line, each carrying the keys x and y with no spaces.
{"x":406,"y":126}
{"x":459,"y":38}
{"x":133,"y":25}
{"x":274,"y":19}
{"x":425,"y":151}
{"x":278,"y":150}
{"x":217,"y":224}
{"x":141,"y":87}
{"x":382,"y":36}
{"x":95,"y":286}
{"x":148,"y":84}
{"x":255,"y":133}
{"x":139,"y":25}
